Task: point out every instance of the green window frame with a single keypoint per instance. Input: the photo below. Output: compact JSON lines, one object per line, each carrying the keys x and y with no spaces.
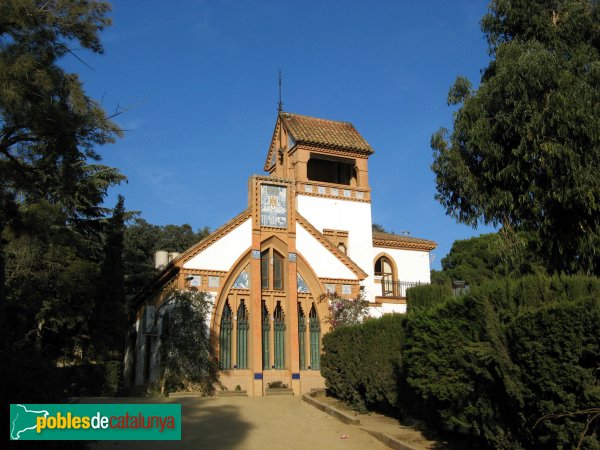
{"x":302,"y":337}
{"x":225,"y":338}
{"x":277,"y":271}
{"x":266,"y":327}
{"x":315,"y":339}
{"x":243,"y":325}
{"x":264,"y":269}
{"x":272,"y":265}
{"x":279,"y":329}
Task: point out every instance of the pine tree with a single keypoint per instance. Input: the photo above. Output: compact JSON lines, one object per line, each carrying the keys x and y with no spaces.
{"x":49,"y":128}
{"x":110,"y":319}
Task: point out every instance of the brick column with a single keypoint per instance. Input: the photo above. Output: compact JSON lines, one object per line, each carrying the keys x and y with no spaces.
{"x":255,"y":356}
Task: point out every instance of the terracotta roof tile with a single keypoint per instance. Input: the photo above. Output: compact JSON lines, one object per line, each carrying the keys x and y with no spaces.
{"x":403,"y":240}
{"x":322,"y":132}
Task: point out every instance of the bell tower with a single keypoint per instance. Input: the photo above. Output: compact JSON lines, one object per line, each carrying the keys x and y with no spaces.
{"x":307,"y":149}
{"x":328,"y":162}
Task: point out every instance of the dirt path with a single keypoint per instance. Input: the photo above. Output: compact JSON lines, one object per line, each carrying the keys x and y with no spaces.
{"x":408,"y":435}
{"x":273,"y":423}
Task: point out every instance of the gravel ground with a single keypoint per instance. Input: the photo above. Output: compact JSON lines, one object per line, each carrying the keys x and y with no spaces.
{"x":273,"y":423}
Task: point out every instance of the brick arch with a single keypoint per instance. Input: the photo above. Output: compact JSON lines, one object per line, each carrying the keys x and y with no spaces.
{"x":221,"y":299}
{"x":316,"y":291}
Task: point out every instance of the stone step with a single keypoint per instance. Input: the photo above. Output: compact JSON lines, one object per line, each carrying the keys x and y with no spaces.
{"x":279,"y":391}
{"x":242,"y":393}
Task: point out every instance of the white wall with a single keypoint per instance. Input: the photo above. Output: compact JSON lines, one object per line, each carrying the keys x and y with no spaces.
{"x":323,"y":262}
{"x":351,"y":216}
{"x":387,"y":308}
{"x":411,"y":265}
{"x":223,"y":253}
{"x":139,"y":346}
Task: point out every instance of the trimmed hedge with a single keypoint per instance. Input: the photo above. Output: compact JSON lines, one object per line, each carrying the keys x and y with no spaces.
{"x":457,"y":363}
{"x":557,"y":349}
{"x":422,"y":297}
{"x":361,"y":363}
{"x":489,"y":364}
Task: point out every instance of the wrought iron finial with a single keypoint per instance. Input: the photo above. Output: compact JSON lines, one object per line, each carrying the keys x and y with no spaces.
{"x":280,"y":104}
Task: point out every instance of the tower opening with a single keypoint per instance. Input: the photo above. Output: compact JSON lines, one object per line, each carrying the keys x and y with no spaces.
{"x":331,"y":169}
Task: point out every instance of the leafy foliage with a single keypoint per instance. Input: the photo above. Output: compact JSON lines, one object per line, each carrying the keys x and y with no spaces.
{"x":49,"y":127}
{"x":345,"y":311}
{"x":110,"y":312}
{"x":557,"y":349}
{"x":143,"y":239}
{"x":185,"y":350}
{"x":456,"y":361}
{"x":378,"y":227}
{"x":355,"y":373}
{"x":427,"y":296}
{"x":487,"y":256}
{"x":494,"y":361}
{"x":49,"y":131}
{"x":512,"y":364}
{"x":51,"y":271}
{"x":525,"y":148}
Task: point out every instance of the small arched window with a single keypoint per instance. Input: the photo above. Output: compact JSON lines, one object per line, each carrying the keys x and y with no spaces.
{"x":384,"y":269}
{"x":383,"y":266}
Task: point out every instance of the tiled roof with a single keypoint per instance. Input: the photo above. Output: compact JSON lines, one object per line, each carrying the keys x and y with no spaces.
{"x":322,"y":132}
{"x":381,"y":238}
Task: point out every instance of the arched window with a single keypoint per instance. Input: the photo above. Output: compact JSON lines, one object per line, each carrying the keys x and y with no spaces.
{"x":225,"y":338}
{"x":279,"y":338}
{"x":342,"y":248}
{"x":242,"y":336}
{"x":277,"y":271}
{"x":271,"y":269}
{"x":266,"y":327}
{"x":383,"y":268}
{"x":302,"y":337}
{"x":264,"y":270}
{"x":315,"y":339}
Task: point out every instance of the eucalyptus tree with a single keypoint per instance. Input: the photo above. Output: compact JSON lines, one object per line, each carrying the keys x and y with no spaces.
{"x":524,"y":151}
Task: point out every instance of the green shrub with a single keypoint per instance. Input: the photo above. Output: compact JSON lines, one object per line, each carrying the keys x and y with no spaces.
{"x":113,"y":378}
{"x":361,"y":363}
{"x":557,"y":349}
{"x":30,"y":377}
{"x":495,"y":361}
{"x":425,"y":296}
{"x":456,"y":363}
{"x":514,"y":364}
{"x":187,"y":361}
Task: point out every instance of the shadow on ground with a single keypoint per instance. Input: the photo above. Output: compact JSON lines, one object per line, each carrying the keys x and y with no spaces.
{"x":207,"y":424}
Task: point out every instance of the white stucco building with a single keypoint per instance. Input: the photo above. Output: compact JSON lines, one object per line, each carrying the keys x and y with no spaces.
{"x":307,"y":230}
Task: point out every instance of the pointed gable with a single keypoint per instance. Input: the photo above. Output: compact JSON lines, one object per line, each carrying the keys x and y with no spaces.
{"x":220,"y":249}
{"x":292,"y":129}
{"x":274,"y":147}
{"x":324,"y":257}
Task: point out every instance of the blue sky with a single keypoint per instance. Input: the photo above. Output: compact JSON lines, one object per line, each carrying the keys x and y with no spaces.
{"x":199,"y":81}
